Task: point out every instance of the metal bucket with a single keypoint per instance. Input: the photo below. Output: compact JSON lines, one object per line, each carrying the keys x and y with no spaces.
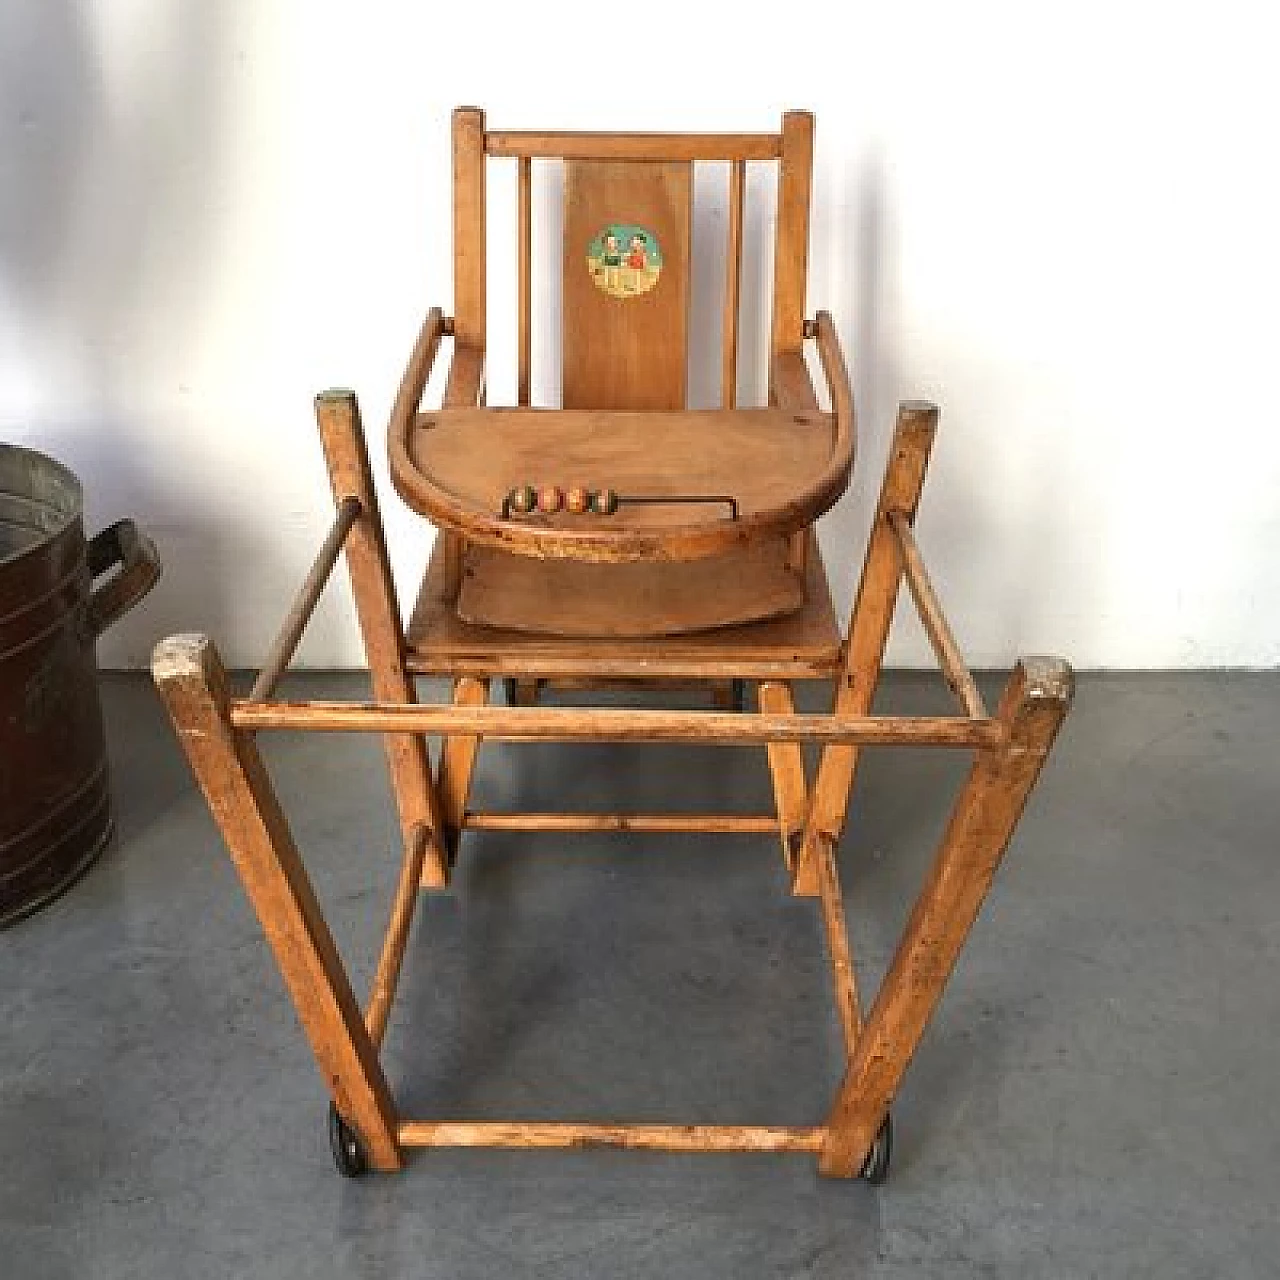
{"x":55,"y":808}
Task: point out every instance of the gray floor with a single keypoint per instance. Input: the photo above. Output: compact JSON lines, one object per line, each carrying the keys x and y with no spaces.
{"x":1095,"y":1097}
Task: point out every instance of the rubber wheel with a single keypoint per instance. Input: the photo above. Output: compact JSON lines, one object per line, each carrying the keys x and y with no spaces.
{"x":509,"y":690}
{"x":344,"y":1142}
{"x":875,"y":1169}
{"x":739,"y":696}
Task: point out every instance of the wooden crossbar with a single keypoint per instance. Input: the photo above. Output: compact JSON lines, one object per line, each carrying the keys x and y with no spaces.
{"x":950,"y":659}
{"x":633,"y":146}
{"x":285,"y":645}
{"x":609,"y":724}
{"x":723,"y":823}
{"x":642,"y":1137}
{"x":387,"y":976}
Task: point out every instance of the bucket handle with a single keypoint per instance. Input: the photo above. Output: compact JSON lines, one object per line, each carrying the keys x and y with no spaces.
{"x":120,"y":544}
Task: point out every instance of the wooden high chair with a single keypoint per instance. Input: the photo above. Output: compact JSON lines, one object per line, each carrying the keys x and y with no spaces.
{"x":620,"y":537}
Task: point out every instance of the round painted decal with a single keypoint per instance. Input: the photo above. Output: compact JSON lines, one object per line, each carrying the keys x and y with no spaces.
{"x":624,"y":260}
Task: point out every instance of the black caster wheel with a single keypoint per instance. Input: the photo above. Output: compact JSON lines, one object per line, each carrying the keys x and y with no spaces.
{"x":738,"y":696}
{"x":344,"y":1142}
{"x":509,"y":690}
{"x":875,"y":1169}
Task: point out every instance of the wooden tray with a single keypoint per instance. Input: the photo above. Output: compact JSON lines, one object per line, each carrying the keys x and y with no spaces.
{"x":783,"y":468}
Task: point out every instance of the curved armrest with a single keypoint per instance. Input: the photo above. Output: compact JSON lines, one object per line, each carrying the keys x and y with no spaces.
{"x":793,"y":389}
{"x":414,"y":383}
{"x":837,"y":375}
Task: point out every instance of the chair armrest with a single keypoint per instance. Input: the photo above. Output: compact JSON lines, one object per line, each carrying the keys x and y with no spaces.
{"x":413,"y":384}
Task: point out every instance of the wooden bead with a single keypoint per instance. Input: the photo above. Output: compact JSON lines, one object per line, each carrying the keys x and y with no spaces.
{"x":577,"y":500}
{"x":604,"y":503}
{"x":550,"y":499}
{"x":522,"y":499}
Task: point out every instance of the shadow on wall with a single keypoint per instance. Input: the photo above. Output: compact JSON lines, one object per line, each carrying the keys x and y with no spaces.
{"x":109,"y":170}
{"x":851,"y":233}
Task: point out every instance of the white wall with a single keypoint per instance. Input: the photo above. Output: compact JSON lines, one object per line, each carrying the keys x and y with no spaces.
{"x":1058,"y":221}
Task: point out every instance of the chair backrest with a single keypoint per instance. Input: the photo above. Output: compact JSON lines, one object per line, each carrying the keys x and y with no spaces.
{"x":628,"y":221}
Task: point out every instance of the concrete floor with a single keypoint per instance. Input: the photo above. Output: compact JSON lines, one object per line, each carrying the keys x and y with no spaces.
{"x":1095,"y":1097}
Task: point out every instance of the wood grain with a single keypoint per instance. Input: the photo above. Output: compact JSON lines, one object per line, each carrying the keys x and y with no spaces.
{"x":469,"y":244}
{"x":786,"y":769}
{"x":1032,"y":708}
{"x":791,"y":251}
{"x":933,"y":619}
{"x":287,"y":639}
{"x":610,"y":724}
{"x":457,"y":761}
{"x":654,"y":823}
{"x":732,"y":288}
{"x":784,"y":470}
{"x":868,"y":627}
{"x":632,"y":146}
{"x":643,"y":598}
{"x":803,"y":645}
{"x":387,"y":975}
{"x":626,"y":353}
{"x":193,"y":685}
{"x":636,"y":1137}
{"x":524,"y":272}
{"x":342,"y":437}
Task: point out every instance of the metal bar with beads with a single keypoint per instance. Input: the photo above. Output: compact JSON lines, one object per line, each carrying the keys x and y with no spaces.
{"x":526,"y":500}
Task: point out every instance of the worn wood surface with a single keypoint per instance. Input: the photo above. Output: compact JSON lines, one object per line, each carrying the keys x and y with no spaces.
{"x":632,"y":146}
{"x":457,"y":761}
{"x":1031,"y":710}
{"x":642,"y":598}
{"x":784,"y":470}
{"x":387,"y":975}
{"x":724,"y":823}
{"x":226,"y":763}
{"x":786,"y":769}
{"x":341,"y":435}
{"x":614,"y":724}
{"x":868,"y":628}
{"x":637,"y":1137}
{"x":803,"y":645}
{"x":732,"y":288}
{"x":524,"y":278}
{"x":469,"y":247}
{"x":934,"y":620}
{"x":791,"y":247}
{"x":843,"y":974}
{"x":285,"y":645}
{"x":626,"y":353}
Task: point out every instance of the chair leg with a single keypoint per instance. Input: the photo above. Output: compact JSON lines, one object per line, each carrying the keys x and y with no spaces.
{"x":338,"y":418}
{"x":457,"y":761}
{"x":868,"y":633}
{"x":193,"y":685}
{"x":982,"y":821}
{"x":786,"y":768}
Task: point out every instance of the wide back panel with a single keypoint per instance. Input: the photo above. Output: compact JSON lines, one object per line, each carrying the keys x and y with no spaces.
{"x":627,"y":227}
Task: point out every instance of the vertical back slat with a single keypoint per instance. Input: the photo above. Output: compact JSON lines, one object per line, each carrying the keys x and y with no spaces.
{"x":791,"y":254}
{"x":468,"y":227}
{"x":732,"y":287}
{"x":524,"y":220}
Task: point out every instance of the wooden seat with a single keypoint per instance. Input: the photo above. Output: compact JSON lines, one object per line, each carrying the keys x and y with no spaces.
{"x":802,"y":646}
